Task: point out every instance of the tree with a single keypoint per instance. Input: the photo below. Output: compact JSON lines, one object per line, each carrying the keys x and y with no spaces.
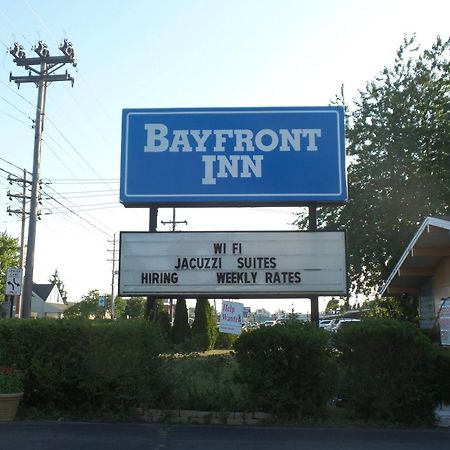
{"x":332,"y":306}
{"x":134,"y":308}
{"x":398,"y":139}
{"x":9,"y":257}
{"x":405,"y":308}
{"x":181,"y":330}
{"x":204,"y":326}
{"x":55,"y":280}
{"x":88,"y":307}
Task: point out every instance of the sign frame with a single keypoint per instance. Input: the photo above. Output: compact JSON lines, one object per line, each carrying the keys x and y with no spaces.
{"x":237,"y":290}
{"x":172,"y":173}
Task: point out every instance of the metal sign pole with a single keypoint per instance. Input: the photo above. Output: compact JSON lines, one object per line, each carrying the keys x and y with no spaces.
{"x":312,"y":226}
{"x":152,"y":228}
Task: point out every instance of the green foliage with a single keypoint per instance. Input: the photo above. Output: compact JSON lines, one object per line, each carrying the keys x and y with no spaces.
{"x":80,"y":368}
{"x":398,"y":138}
{"x":181,"y":331}
{"x":390,"y":371}
{"x":10,"y":381}
{"x":205,"y":383}
{"x":134,"y":308}
{"x":288,"y":369}
{"x":9,"y":257}
{"x":405,"y":308}
{"x":225,"y":341}
{"x":443,"y":375}
{"x":54,"y":279}
{"x":88,"y":307}
{"x":204,"y":333}
{"x":163,"y":321}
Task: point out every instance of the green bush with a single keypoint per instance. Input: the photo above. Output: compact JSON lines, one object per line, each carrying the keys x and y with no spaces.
{"x":204,"y":334}
{"x":443,"y":375}
{"x":181,"y":331}
{"x":81,"y":367}
{"x":390,"y":371}
{"x":225,"y":341}
{"x":288,"y":369}
{"x":205,"y":383}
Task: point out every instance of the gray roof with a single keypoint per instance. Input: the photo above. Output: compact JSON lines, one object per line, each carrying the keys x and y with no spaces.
{"x":42,"y":290}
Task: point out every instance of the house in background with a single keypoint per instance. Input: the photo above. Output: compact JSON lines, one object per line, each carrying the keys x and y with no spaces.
{"x":424,"y":269}
{"x":46,"y":301}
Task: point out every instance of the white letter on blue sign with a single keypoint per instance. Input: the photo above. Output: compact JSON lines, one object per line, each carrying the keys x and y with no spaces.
{"x":180,"y":138}
{"x":200,"y":139}
{"x":290,"y":138}
{"x":209,"y":176}
{"x":273,"y":140}
{"x":156,"y":140}
{"x":220,"y":139}
{"x":244,"y":137}
{"x":311,"y":134}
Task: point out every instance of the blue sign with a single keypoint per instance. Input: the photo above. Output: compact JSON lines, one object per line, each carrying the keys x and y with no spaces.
{"x":232,"y":156}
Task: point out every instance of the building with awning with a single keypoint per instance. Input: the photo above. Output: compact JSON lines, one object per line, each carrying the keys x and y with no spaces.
{"x":424,"y":269}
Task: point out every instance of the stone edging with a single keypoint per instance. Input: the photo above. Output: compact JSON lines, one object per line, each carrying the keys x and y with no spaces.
{"x":183,"y":416}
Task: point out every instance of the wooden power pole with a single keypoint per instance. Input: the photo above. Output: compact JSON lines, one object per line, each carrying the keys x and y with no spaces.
{"x":41,"y":72}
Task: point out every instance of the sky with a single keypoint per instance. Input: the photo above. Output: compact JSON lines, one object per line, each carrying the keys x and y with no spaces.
{"x":164,"y":54}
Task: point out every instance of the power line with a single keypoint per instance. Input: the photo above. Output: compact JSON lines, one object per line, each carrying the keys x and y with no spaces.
{"x":16,"y":108}
{"x":84,"y":181}
{"x":80,"y":217}
{"x":38,"y":17}
{"x":15,"y":118}
{"x":11,"y":164}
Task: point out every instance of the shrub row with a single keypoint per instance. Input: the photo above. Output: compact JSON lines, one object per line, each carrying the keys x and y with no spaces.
{"x":381,"y":370}
{"x":82,"y":368}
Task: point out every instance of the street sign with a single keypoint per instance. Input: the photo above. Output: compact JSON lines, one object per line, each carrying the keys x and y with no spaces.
{"x":13,"y":281}
{"x":233,"y":264}
{"x":231,"y":317}
{"x":232,"y":156}
{"x":101,"y":301}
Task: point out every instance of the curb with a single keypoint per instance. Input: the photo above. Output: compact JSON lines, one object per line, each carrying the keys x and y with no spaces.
{"x":184,"y":416}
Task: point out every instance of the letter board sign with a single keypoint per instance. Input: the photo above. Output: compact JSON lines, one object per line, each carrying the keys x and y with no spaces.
{"x":232,"y":156}
{"x":233,"y":264}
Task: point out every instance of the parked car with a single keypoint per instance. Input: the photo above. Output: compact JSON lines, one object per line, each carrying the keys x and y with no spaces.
{"x":269,"y":323}
{"x":345,"y":323}
{"x":324,"y":323}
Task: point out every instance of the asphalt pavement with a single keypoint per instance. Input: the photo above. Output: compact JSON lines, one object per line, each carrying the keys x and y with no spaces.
{"x":45,"y":435}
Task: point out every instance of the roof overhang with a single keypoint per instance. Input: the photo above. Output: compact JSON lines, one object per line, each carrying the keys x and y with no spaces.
{"x":430,"y":243}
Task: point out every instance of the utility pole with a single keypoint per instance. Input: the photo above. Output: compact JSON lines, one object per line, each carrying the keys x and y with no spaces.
{"x":174,"y":223}
{"x":114,"y":260}
{"x":23,"y":213}
{"x":42,"y":77}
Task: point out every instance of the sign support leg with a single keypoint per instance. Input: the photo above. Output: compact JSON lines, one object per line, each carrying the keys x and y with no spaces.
{"x":312,"y":226}
{"x":150,"y":310}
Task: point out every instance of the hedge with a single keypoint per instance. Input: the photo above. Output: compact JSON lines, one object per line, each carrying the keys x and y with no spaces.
{"x":288,"y":369}
{"x":390,"y":372}
{"x":82,"y":368}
